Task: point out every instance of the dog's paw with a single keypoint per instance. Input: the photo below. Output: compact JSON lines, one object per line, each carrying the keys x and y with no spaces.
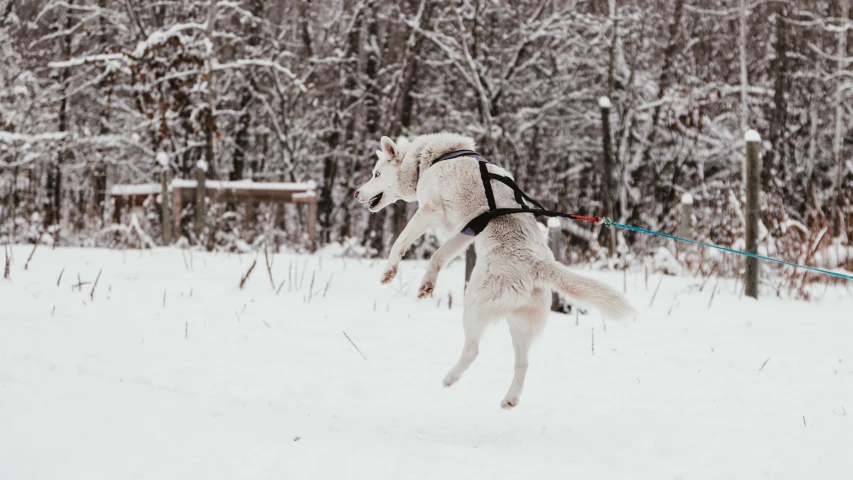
{"x":509,"y":402}
{"x":449,"y":380}
{"x":388,"y":275}
{"x":426,"y":289}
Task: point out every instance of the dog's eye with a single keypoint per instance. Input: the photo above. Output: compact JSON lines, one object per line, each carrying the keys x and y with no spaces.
{"x":375,"y":174}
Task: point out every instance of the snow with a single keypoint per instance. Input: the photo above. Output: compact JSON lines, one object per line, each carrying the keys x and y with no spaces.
{"x":160,"y":36}
{"x":77,"y":61}
{"x":201,"y":165}
{"x":248,"y":185}
{"x":304,"y":189}
{"x":163,"y":159}
{"x":168,"y":369}
{"x":752,"y":136}
{"x":554,"y":222}
{"x":139,"y":189}
{"x":604,"y":102}
{"x":687,"y":199}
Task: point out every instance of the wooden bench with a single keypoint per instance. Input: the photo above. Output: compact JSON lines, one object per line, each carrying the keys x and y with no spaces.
{"x":242,"y":191}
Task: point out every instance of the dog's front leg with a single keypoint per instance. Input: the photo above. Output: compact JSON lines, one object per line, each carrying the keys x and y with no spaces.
{"x":445,"y":253}
{"x":421,"y":220}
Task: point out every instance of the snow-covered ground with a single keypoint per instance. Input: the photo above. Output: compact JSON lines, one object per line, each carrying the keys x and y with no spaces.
{"x":170,"y":370}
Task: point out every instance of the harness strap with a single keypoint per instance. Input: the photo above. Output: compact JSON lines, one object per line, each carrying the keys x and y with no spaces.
{"x":457,"y":154}
{"x":479,"y":223}
{"x":519,"y":194}
{"x":487,"y":185}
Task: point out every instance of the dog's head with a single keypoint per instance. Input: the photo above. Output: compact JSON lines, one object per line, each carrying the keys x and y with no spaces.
{"x":382,"y":190}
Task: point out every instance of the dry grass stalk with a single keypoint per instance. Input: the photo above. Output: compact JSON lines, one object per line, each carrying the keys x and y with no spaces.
{"x":764,"y":364}
{"x":304,"y":269}
{"x":354,"y":345}
{"x":184,"y":257}
{"x":311,"y":286}
{"x":656,"y":291}
{"x":38,"y":241}
{"x":708,"y":277}
{"x":60,"y":276}
{"x":246,"y":276}
{"x":593,"y":341}
{"x":95,"y":285}
{"x":269,"y":266}
{"x":326,"y":289}
{"x":7,"y":270}
{"x":80,"y":283}
{"x":713,"y":292}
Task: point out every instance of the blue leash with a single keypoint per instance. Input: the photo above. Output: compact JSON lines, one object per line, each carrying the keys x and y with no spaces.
{"x":608,"y":223}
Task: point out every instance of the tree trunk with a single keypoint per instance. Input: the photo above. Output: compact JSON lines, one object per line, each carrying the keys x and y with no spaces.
{"x":54,"y":212}
{"x":210,"y":130}
{"x":374,"y":234}
{"x":840,"y":127}
{"x":779,"y":114}
{"x":744,"y":81}
{"x":646,"y":173}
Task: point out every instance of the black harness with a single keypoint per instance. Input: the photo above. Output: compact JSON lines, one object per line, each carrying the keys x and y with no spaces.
{"x":479,"y":223}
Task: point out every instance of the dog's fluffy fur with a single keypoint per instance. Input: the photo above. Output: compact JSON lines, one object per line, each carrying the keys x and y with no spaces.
{"x":515,"y":271}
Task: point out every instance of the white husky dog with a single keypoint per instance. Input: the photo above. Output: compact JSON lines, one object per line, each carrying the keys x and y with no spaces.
{"x":515,"y":271}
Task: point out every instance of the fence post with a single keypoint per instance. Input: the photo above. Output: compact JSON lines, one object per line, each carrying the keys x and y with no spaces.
{"x":165,"y":208}
{"x":557,"y":244}
{"x":753,"y":188}
{"x":604,"y":104}
{"x":200,"y":173}
{"x":312,"y":222}
{"x":685,"y":219}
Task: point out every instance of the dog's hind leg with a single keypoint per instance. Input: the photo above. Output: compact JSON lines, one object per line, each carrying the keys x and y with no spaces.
{"x":474,"y":321}
{"x":524,"y":325}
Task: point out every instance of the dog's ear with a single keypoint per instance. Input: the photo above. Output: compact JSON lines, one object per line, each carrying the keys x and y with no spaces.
{"x":389,"y":147}
{"x":379,"y":153}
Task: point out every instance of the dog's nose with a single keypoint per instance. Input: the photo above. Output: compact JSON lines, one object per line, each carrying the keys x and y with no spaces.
{"x":356,"y":194}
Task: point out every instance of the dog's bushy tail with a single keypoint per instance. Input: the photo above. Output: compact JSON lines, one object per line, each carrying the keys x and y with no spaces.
{"x":600,"y":295}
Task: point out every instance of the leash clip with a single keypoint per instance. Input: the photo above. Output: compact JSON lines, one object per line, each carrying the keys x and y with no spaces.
{"x":604,"y":221}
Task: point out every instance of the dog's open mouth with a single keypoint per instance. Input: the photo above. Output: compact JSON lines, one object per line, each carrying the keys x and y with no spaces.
{"x":375,"y":200}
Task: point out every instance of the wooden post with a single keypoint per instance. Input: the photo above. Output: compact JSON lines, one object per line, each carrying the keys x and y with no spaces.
{"x":470,"y":260}
{"x":177,"y":208}
{"x":166,"y":221}
{"x":753,"y":186}
{"x":608,"y":186}
{"x":557,"y":244}
{"x":312,"y":224}
{"x":200,"y":172}
{"x":685,"y":219}
{"x":117,"y":206}
{"x":165,"y":209}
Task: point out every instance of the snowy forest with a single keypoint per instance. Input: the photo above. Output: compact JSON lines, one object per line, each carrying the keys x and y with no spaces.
{"x":91,"y":91}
